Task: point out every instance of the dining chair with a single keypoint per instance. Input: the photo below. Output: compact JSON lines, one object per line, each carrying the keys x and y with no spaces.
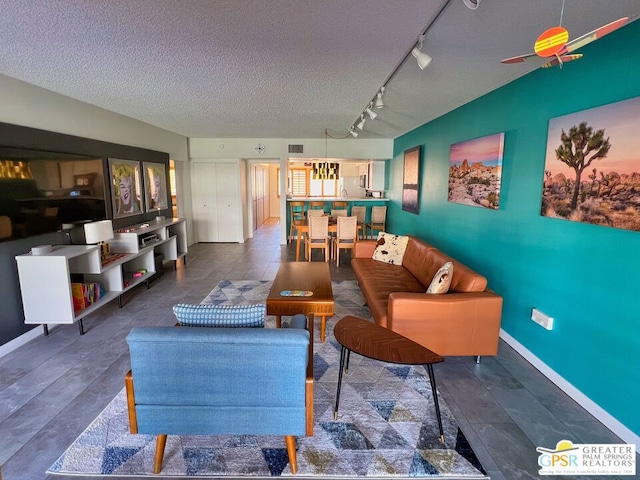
{"x":346,"y":236}
{"x":318,"y":236}
{"x":360,"y":212}
{"x":378,"y":219}
{"x":315,"y":213}
{"x":298,"y":218}
{"x":338,"y":213}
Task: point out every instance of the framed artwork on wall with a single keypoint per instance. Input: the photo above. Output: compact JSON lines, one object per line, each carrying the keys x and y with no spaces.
{"x":475,"y":171}
{"x":126,"y":189}
{"x":155,"y":186}
{"x":592,"y":168}
{"x":411,"y":180}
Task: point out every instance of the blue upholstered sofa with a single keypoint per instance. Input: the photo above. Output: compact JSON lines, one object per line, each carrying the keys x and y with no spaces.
{"x":208,"y":381}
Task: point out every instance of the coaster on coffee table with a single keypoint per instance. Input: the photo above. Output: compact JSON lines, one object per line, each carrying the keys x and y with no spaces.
{"x":296,"y":293}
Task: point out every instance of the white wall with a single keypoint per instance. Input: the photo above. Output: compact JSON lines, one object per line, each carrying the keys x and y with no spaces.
{"x":31,"y":106}
{"x":380,"y":149}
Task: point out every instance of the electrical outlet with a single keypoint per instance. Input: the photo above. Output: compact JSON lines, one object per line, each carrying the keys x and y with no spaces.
{"x":542,"y":319}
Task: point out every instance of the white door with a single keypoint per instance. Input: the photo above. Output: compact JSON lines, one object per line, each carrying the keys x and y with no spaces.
{"x":229,"y":213}
{"x":205,"y":209}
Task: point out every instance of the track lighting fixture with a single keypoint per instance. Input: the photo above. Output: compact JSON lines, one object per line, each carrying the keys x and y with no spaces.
{"x":471,"y":4}
{"x":370,"y":112}
{"x":379,"y":103}
{"x":422,"y":58}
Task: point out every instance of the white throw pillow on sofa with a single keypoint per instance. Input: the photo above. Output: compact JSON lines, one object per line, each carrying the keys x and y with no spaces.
{"x":441,"y":280}
{"x":390,"y":248}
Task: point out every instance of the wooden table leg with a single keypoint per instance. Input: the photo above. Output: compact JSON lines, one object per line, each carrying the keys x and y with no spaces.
{"x":323,"y":328}
{"x":278,"y":321}
{"x":432,"y":379}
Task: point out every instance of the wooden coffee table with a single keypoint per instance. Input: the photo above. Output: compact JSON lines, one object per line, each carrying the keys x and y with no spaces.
{"x":371,"y":340}
{"x":308,"y":276}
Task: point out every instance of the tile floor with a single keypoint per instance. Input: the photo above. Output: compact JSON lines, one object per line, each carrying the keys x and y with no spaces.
{"x":53,"y":387}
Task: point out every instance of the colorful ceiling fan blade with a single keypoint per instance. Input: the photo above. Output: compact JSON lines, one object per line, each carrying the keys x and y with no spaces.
{"x":563,"y":59}
{"x":587,"y":38}
{"x":519,"y":58}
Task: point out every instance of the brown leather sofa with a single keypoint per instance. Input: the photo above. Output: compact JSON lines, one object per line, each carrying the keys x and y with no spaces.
{"x":465,"y":321}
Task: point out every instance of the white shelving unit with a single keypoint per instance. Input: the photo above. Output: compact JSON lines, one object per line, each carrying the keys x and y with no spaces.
{"x":45,"y":280}
{"x":171,"y":238}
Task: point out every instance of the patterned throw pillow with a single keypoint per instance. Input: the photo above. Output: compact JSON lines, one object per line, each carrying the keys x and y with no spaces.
{"x":441,"y":280}
{"x":390,"y":248}
{"x":220,"y":315}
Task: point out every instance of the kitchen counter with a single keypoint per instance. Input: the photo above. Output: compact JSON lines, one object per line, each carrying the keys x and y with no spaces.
{"x":368,"y":202}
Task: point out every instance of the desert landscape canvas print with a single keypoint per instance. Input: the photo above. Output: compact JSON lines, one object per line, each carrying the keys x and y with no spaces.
{"x":592,"y":166}
{"x":475,"y":171}
{"x":411,"y":180}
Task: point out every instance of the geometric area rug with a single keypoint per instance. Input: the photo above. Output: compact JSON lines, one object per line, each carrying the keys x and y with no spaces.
{"x":386,"y":426}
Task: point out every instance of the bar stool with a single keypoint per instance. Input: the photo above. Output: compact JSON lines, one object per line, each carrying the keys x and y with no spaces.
{"x":360,"y":212}
{"x":316,"y":205}
{"x":339,"y":206}
{"x":378,"y":219}
{"x":298,"y":218}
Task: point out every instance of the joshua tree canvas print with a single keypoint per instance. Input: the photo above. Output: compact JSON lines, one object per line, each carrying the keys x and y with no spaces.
{"x":592,"y":167}
{"x":475,"y":171}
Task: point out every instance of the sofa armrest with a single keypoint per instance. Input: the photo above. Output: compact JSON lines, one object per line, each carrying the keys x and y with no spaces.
{"x":450,"y":324}
{"x":365,"y":249}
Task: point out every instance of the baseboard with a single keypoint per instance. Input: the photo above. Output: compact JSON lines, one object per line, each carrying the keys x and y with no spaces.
{"x":22,"y":339}
{"x":585,"y":402}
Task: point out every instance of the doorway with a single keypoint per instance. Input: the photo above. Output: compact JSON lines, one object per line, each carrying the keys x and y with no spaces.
{"x":264,"y":193}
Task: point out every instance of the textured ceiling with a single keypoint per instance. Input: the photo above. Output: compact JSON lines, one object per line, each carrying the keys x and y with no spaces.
{"x":279,"y":68}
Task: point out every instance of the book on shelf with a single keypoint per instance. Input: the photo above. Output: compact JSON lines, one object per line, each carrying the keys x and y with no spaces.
{"x":84,"y":294}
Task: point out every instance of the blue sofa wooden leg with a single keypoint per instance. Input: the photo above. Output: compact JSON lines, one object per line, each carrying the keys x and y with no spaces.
{"x":291,"y":451}
{"x":161,"y":441}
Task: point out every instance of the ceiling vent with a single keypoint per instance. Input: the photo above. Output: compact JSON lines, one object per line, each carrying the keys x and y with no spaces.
{"x":296,"y":148}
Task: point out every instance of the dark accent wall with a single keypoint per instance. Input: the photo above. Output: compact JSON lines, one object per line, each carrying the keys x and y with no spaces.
{"x":11,"y":314}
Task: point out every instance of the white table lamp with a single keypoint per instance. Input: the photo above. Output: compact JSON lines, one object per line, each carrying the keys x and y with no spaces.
{"x":98,"y":233}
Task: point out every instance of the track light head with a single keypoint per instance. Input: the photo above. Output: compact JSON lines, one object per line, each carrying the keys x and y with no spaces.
{"x":352,"y":132}
{"x":379,"y":103}
{"x":360,"y":124}
{"x":422,"y":58}
{"x":471,"y":4}
{"x":371,"y":113}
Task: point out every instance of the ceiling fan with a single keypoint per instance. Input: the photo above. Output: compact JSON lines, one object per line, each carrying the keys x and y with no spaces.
{"x":554,"y":42}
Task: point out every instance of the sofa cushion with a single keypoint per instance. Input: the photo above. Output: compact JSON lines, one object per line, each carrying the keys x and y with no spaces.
{"x":463,"y":279}
{"x":441,"y":280}
{"x":381,"y":280}
{"x":390,"y":248}
{"x":220,"y":315}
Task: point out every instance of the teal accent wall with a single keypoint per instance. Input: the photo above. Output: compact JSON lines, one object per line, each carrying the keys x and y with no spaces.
{"x":586,"y":276}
